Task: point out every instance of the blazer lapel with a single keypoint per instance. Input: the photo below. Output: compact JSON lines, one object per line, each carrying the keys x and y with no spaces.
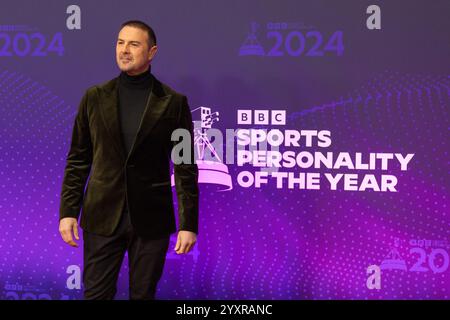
{"x":109,"y":107}
{"x":156,"y":105}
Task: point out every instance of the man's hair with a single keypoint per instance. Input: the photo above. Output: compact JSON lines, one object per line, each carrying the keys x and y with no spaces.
{"x":143,"y":26}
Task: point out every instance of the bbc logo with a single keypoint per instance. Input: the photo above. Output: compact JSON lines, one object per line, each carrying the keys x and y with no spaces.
{"x":277,"y":117}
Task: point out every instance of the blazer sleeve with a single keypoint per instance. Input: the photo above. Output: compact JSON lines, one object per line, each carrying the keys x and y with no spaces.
{"x":186,"y":177}
{"x":78,"y":164}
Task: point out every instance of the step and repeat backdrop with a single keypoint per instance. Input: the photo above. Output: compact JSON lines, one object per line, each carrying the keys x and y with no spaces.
{"x":321,"y":138}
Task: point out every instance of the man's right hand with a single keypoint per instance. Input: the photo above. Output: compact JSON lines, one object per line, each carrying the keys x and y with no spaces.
{"x":66,"y":227}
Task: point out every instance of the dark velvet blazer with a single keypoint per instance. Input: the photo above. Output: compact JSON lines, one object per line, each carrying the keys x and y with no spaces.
{"x":140,"y":180}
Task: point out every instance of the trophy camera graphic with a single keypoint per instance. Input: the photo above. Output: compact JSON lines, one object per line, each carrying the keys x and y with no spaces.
{"x":212,"y":171}
{"x":251,"y":45}
{"x":393,"y":261}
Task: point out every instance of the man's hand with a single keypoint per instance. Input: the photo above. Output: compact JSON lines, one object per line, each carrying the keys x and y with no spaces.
{"x":185,"y":241}
{"x":66,"y":227}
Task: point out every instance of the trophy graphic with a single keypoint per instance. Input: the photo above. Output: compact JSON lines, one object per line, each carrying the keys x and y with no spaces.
{"x":393,"y":261}
{"x":251,"y":45}
{"x":212,"y":170}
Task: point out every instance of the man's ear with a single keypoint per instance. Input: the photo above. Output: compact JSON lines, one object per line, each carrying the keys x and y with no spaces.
{"x":152,"y":53}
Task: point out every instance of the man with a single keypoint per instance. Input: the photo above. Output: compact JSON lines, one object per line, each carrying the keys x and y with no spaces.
{"x":122,"y":138}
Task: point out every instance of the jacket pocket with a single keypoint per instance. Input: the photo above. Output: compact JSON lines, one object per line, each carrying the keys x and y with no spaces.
{"x":160,"y":184}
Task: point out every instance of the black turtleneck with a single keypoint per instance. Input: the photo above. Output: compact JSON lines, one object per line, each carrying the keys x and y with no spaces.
{"x":134,"y":92}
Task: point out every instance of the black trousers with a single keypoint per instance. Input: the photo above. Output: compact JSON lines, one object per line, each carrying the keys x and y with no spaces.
{"x":103,"y":258}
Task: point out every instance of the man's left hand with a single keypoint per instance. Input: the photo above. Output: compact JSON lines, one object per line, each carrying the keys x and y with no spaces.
{"x":185,"y":241}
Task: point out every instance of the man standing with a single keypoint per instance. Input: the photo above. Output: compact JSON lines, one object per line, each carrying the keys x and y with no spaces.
{"x":122,"y":139}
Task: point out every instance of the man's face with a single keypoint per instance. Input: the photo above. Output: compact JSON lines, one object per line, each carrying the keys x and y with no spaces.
{"x":133,"y":54}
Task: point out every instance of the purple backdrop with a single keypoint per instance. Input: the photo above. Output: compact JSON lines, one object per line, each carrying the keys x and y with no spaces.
{"x":377,"y":91}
